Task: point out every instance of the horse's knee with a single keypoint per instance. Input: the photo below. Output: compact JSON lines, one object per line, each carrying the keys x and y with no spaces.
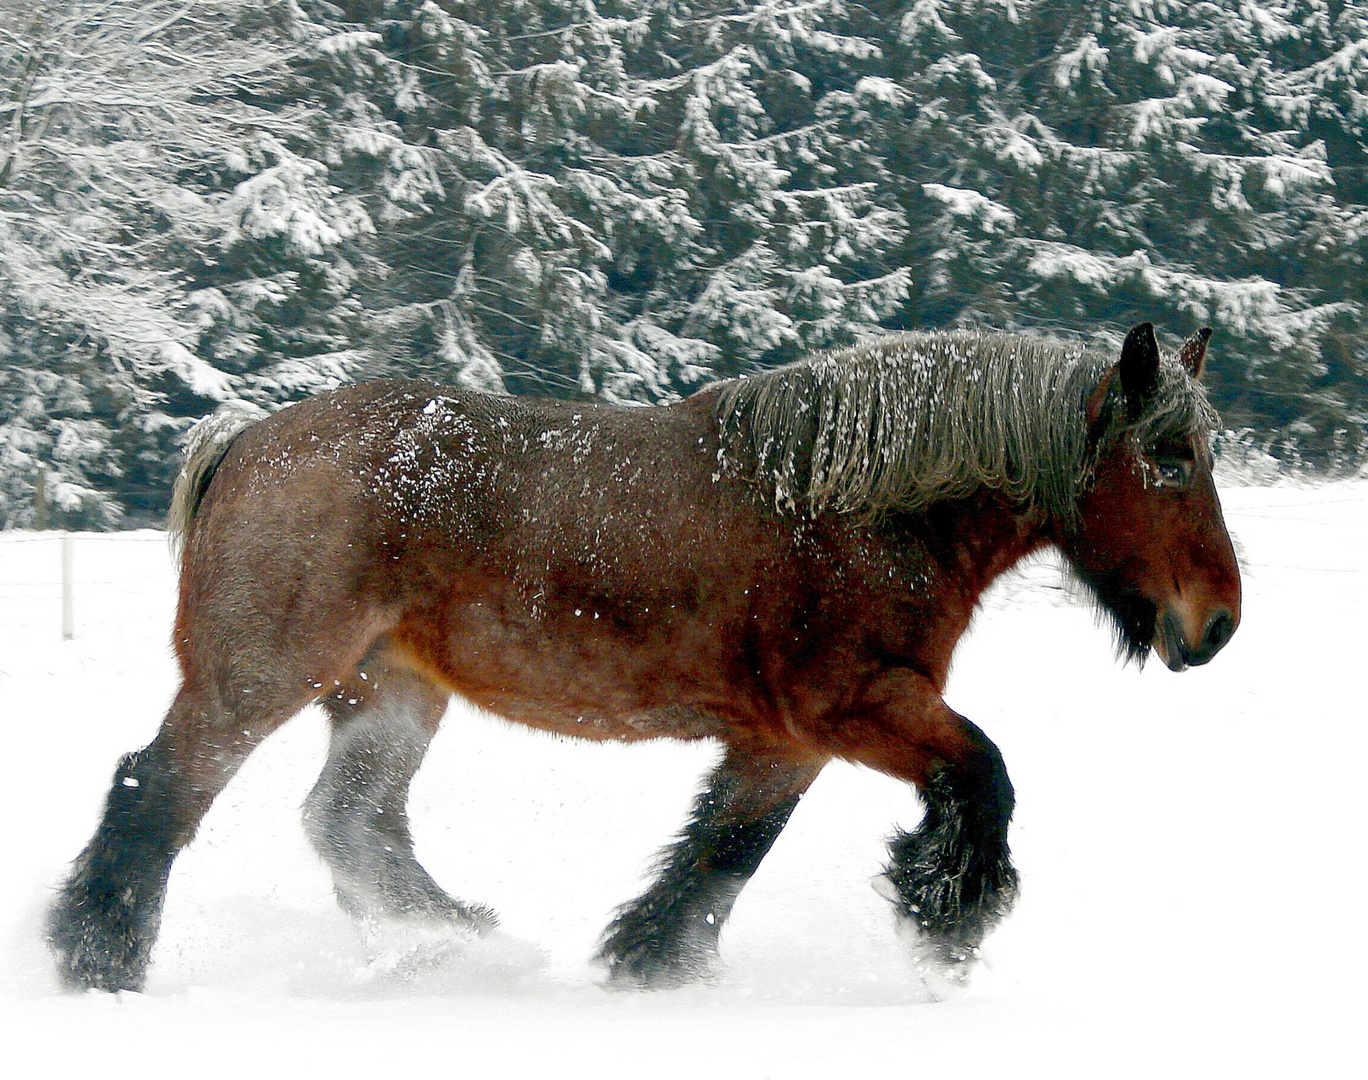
{"x":975,"y":787}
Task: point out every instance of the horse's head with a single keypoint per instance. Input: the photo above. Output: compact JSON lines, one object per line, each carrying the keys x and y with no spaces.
{"x":1149,"y":538}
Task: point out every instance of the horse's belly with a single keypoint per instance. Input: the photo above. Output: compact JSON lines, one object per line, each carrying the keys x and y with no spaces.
{"x":669,"y":722}
{"x":591,"y":696}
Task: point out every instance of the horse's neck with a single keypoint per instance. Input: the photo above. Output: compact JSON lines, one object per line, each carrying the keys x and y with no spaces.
{"x":977,"y":539}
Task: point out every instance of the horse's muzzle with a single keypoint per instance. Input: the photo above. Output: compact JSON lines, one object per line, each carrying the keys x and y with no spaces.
{"x":1178,"y":653}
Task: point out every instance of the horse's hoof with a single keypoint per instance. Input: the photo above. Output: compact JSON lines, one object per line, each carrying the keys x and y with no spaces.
{"x":646,"y":968}
{"x":86,"y":962}
{"x":99,"y":939}
{"x":941,"y":981}
{"x":944,"y":969}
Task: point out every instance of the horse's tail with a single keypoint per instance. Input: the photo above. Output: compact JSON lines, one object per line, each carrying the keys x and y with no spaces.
{"x":205,"y":448}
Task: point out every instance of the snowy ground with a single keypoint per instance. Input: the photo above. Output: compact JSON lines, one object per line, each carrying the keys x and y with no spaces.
{"x":1191,"y":852}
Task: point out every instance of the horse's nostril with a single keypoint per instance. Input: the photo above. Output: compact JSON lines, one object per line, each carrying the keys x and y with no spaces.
{"x":1219,"y":630}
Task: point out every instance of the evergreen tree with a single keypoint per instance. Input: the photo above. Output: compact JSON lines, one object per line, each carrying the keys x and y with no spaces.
{"x":638,"y":195}
{"x":1084,"y":163}
{"x":170,"y":236}
{"x":251,"y":201}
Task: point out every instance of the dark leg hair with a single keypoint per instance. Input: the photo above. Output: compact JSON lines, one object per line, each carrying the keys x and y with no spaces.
{"x":106,"y":917}
{"x":669,"y":934}
{"x":104,"y":921}
{"x":952,"y":877}
{"x":355,"y":816}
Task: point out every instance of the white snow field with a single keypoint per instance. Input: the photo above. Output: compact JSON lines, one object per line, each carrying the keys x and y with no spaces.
{"x":1191,"y":850}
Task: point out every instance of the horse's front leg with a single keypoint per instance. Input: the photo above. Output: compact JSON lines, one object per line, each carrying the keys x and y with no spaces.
{"x":669,"y":934}
{"x":951,"y":878}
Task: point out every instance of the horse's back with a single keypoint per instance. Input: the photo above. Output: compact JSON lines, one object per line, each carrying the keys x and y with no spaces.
{"x":406,"y":459}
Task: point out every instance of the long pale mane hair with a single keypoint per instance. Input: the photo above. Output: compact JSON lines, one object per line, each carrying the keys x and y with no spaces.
{"x":902,"y":422}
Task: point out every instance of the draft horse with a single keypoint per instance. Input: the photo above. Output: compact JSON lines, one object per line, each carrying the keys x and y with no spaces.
{"x":781,"y":563}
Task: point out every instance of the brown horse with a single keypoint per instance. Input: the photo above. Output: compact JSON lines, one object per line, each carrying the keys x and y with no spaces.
{"x":782,"y":563}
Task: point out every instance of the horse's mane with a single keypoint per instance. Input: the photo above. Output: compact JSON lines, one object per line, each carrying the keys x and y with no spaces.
{"x":902,"y":422}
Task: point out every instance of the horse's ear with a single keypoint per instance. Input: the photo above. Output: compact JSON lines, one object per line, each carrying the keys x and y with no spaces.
{"x":1193,"y":353}
{"x":1096,"y":408}
{"x":1139,"y":366}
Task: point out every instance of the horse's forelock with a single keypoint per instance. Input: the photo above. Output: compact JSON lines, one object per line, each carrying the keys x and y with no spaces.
{"x":1178,"y":409}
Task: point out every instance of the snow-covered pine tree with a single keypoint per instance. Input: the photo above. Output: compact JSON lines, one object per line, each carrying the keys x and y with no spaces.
{"x":638,"y":194}
{"x":172,"y":235}
{"x":1072,"y":163}
{"x":231,"y":200}
{"x":87,"y":312}
{"x":1318,"y":84}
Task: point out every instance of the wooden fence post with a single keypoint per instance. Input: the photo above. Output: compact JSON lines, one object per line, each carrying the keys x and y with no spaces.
{"x":68,"y":589}
{"x":40,"y":515}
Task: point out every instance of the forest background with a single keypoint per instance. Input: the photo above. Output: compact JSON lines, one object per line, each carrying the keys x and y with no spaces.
{"x":213,"y":201}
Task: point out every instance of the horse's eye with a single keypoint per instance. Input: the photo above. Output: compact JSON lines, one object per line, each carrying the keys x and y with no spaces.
{"x":1172,"y":473}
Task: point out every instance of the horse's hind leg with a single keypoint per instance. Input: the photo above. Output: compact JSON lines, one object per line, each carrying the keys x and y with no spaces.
{"x":669,"y":934}
{"x":105,"y":919}
{"x":383,"y":719}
